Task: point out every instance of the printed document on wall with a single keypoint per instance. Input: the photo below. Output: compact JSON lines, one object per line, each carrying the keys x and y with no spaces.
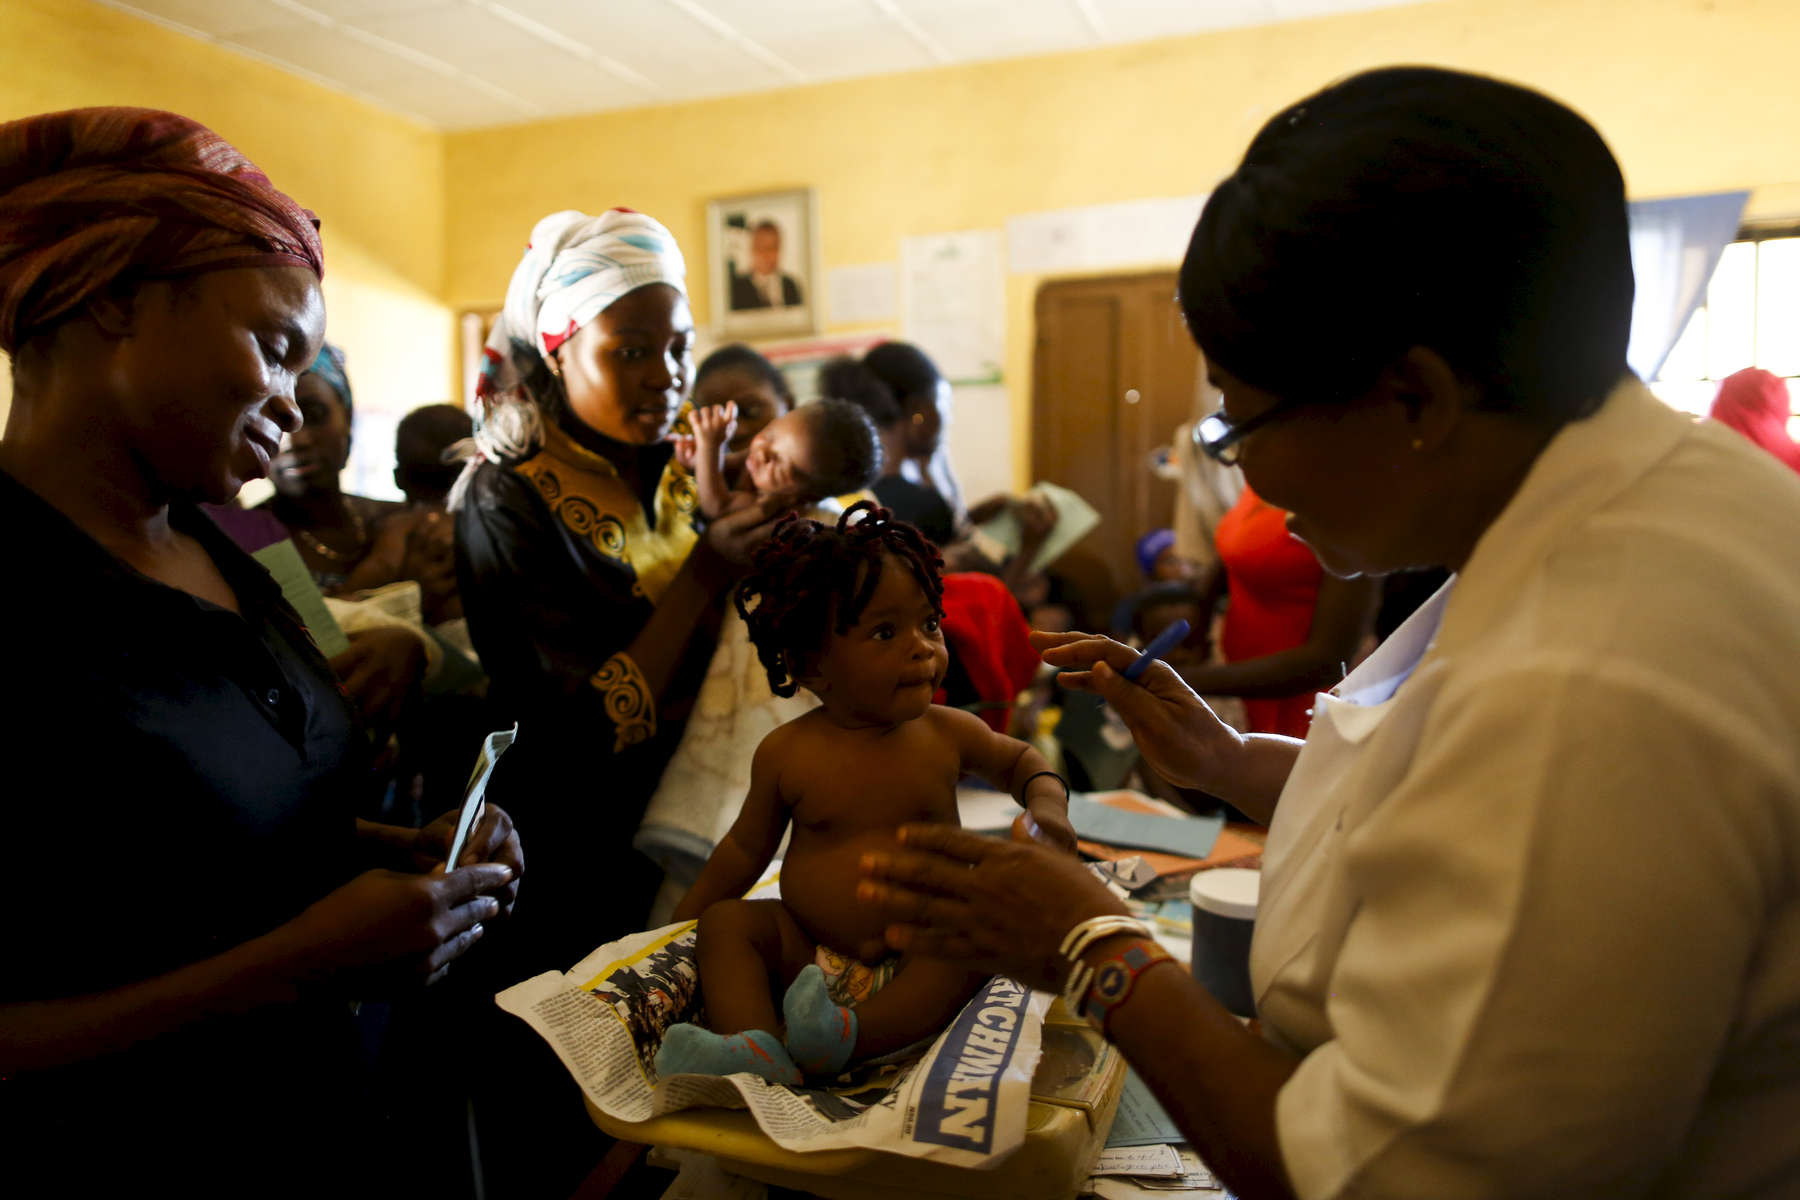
{"x":954,"y":302}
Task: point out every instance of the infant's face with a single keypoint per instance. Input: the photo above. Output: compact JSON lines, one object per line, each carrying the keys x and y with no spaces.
{"x":781,"y":456}
{"x":887,"y":667}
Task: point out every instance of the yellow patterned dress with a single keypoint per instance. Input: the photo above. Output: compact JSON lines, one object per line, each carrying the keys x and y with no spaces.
{"x":560,"y":563}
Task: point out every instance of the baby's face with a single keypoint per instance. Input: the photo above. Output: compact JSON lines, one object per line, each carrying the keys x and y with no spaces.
{"x":885,"y":669}
{"x":781,"y":456}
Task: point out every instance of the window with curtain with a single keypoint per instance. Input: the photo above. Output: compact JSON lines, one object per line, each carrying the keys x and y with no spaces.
{"x":1750,"y":317}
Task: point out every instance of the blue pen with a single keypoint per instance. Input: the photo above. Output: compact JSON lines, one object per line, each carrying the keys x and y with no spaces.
{"x":1160,"y":645}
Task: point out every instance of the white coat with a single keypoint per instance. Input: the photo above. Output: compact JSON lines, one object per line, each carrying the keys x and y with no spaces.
{"x":1534,"y":921}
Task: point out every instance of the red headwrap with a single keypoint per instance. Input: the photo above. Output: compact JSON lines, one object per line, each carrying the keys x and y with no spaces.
{"x":1755,"y":402}
{"x":92,"y":194}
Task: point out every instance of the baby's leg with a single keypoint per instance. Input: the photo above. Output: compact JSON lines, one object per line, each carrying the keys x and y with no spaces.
{"x":743,"y":944}
{"x":746,"y":948}
{"x":917,"y":1002}
{"x":922,"y":997}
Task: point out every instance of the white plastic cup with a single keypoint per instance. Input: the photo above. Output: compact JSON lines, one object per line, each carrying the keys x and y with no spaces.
{"x":1224,"y":901}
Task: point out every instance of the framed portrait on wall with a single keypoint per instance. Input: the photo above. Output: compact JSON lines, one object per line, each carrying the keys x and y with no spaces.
{"x":765,"y":265}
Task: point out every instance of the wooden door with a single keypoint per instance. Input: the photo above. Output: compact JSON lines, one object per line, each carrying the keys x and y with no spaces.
{"x":1113,"y":374}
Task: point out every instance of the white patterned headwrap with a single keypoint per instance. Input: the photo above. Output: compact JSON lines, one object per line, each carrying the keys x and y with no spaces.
{"x":574,"y":268}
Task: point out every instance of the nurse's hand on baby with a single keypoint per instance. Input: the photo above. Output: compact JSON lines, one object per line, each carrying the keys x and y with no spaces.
{"x":998,"y":906}
{"x":1181,"y":738}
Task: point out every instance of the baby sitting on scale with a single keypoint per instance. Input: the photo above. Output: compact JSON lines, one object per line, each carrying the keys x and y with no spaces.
{"x":850,"y":613}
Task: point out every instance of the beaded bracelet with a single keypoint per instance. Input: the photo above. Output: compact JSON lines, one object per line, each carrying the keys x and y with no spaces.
{"x":1076,"y":942}
{"x":1115,"y":979}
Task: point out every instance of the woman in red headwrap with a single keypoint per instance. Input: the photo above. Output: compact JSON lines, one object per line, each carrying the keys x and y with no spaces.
{"x":199,"y":904}
{"x":1757,"y":404}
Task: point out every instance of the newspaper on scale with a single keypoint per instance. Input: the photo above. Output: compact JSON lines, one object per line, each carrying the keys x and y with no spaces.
{"x":962,"y":1102}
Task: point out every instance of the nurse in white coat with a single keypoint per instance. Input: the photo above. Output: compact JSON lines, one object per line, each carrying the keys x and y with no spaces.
{"x":1530,"y":920}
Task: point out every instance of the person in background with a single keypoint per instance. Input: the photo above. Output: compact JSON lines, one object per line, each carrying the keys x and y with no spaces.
{"x":351,"y":544}
{"x":591,"y":597}
{"x":1161,"y":560}
{"x":738,"y":375}
{"x":333,"y":529}
{"x":1758,"y":405}
{"x":419,"y":542}
{"x":926,"y":407}
{"x":421,"y":442}
{"x":204,"y":905}
{"x":595,"y":605}
{"x":1528,"y":922}
{"x":1205,"y":489}
{"x":911,"y":431}
{"x":926,"y":402}
{"x":848,"y":380}
{"x":1173,"y":592}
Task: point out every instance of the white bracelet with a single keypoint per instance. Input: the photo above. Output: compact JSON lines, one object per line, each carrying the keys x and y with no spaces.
{"x":1078,"y":939}
{"x":1093,"y":929}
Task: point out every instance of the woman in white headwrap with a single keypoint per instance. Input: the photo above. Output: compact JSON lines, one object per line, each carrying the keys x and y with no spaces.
{"x":591,"y":596}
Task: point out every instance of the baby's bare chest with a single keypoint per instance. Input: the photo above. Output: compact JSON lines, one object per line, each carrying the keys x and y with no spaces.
{"x":849,"y":789}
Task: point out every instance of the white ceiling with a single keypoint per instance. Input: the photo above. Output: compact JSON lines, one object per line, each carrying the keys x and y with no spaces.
{"x":459,"y":64}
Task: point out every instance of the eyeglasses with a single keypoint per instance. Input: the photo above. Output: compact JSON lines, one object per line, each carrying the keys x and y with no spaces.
{"x":1221,"y":437}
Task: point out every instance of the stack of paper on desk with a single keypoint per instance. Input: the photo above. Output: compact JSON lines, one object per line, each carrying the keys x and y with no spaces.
{"x":1146,"y":1154}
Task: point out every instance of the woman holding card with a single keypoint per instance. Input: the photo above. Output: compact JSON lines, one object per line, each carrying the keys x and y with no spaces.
{"x":592,"y":587}
{"x":200,"y":906}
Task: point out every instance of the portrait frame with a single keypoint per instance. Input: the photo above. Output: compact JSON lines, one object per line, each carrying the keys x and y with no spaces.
{"x":738,"y":241}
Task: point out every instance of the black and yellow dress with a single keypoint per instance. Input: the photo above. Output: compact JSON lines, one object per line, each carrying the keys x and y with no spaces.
{"x":561,"y":563}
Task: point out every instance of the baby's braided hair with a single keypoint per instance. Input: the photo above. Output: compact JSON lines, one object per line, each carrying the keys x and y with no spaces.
{"x":809,"y":578}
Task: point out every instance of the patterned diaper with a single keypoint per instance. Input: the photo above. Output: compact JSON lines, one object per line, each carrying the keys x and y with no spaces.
{"x":849,"y":981}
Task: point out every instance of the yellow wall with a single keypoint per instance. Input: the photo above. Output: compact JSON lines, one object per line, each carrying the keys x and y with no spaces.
{"x":375,"y":179}
{"x":1694,"y":96}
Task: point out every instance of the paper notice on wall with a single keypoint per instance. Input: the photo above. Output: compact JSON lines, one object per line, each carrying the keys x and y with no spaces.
{"x":864,"y":292}
{"x":1102,"y":236}
{"x":981,"y":440}
{"x":953,"y":287}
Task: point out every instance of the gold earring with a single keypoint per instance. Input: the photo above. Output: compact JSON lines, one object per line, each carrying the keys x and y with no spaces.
{"x":918,"y":418}
{"x":555,"y":365}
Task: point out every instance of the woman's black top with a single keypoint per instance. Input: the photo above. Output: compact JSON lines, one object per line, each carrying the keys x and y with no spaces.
{"x":560,"y":562}
{"x":181,"y":779}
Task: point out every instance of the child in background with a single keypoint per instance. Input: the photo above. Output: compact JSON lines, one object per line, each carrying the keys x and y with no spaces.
{"x":850,"y":613}
{"x":1160,"y":561}
{"x":817,"y":451}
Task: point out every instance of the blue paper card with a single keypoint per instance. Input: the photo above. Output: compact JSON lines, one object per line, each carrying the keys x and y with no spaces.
{"x":1191,"y":837}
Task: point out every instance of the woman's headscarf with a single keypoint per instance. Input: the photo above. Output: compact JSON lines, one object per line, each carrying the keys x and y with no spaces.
{"x":92,"y":195}
{"x":329,"y":366}
{"x":1756,"y":403}
{"x":574,"y":268}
